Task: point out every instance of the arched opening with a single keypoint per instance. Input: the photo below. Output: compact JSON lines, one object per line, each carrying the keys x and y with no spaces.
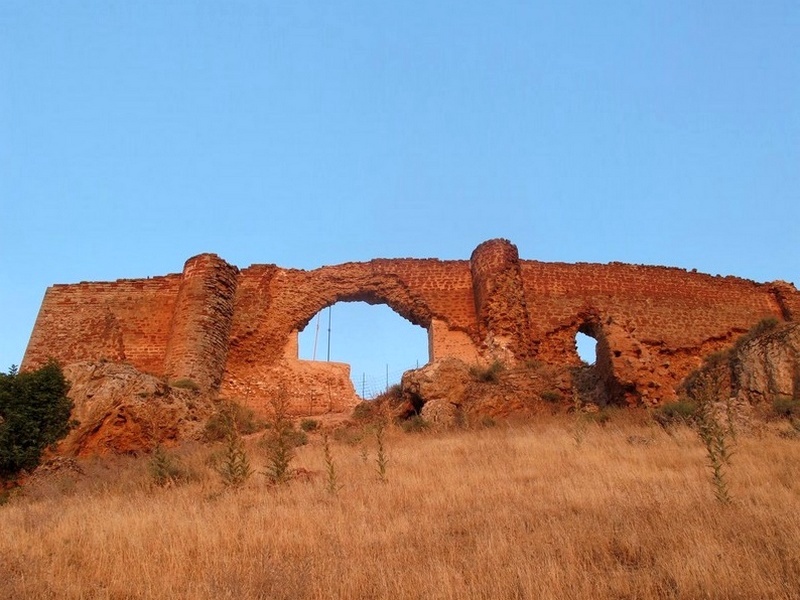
{"x":594,"y":378}
{"x":586,"y":346}
{"x":377,"y":343}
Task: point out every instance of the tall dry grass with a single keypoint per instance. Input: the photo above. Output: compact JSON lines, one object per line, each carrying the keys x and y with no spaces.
{"x":508,"y":512}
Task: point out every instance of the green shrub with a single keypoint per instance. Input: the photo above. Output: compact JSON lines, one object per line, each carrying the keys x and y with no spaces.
{"x":487,"y":422}
{"x":234,"y":468}
{"x":309,"y":425}
{"x":165,"y":469}
{"x":551,"y":396}
{"x":381,"y":458}
{"x":672,"y":413}
{"x":243,"y":418}
{"x":332,"y":478}
{"x":364,"y":410}
{"x":489,"y":374}
{"x":34,"y":414}
{"x":414,"y":424}
{"x":280,"y":442}
{"x":186,"y":384}
{"x":786,"y":406}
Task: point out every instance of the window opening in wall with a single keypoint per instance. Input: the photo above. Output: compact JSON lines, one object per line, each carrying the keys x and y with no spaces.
{"x":377,"y":343}
{"x":587,"y":348}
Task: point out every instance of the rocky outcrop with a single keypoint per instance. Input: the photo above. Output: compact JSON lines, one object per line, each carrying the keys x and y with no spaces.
{"x":449,"y":391}
{"x":768,"y":365}
{"x":762,"y":365}
{"x":438,"y":390}
{"x":121,"y":410}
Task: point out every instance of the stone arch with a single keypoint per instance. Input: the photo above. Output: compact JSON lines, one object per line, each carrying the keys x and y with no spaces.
{"x":389,"y":289}
{"x":594,"y":382}
{"x":376,"y":342}
{"x":586,"y":346}
{"x":267,"y":354}
{"x":412,"y":310}
{"x":590,"y":326}
{"x":310,"y":292}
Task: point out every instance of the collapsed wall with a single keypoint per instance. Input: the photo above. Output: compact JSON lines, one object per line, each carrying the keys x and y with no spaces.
{"x":234,"y":332}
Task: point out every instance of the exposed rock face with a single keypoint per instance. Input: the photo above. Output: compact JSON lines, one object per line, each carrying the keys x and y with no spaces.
{"x":438,"y":390}
{"x":760,"y":367}
{"x":450,"y":391}
{"x":122,"y":411}
{"x":768,"y":365}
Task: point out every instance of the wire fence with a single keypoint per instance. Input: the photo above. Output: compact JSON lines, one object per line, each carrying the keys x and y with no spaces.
{"x":369,"y":386}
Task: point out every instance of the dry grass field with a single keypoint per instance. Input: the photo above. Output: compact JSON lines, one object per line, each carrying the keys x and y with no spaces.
{"x":540,"y":510}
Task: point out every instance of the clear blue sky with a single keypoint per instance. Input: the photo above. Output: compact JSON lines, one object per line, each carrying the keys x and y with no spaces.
{"x":134,"y":135}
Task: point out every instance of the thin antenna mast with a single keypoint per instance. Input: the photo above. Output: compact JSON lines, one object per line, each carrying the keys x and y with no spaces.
{"x":329,"y":333}
{"x":316,"y":336}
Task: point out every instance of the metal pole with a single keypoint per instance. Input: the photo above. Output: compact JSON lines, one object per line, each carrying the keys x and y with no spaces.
{"x":329,"y":333}
{"x":316,"y":337}
{"x":387,"y":378}
{"x":363,"y":385}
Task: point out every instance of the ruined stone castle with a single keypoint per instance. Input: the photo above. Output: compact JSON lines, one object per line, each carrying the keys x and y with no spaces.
{"x":234,"y":331}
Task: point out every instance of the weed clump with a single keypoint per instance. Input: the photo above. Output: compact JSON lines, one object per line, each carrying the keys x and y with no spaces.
{"x":718,"y":450}
{"x":185,"y":384}
{"x":309,"y":425}
{"x":165,"y":469}
{"x":331,"y":477}
{"x":680,"y":412}
{"x":786,"y":407}
{"x":364,"y":410}
{"x":600,"y":417}
{"x":707,"y":390}
{"x":231,"y":413}
{"x":414,"y":424}
{"x":234,"y":465}
{"x":765,"y":325}
{"x":280,"y":441}
{"x":489,"y":374}
{"x":381,"y":459}
{"x":551,"y":396}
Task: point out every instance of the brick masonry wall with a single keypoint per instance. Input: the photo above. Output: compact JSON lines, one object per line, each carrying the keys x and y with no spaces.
{"x":234,"y":329}
{"x":272,"y":304}
{"x":654,"y":324}
{"x":124,"y":320}
{"x":499,"y":297}
{"x":201,"y":323}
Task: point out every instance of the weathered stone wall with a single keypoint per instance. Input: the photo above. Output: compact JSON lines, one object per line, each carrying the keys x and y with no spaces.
{"x":500,"y":300}
{"x":201,"y":323}
{"x":124,"y":320}
{"x":235,"y":331}
{"x":272,"y":304}
{"x":653,"y":324}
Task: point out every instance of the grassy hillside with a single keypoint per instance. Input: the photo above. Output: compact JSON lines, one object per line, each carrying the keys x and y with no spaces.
{"x":552,"y":509}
